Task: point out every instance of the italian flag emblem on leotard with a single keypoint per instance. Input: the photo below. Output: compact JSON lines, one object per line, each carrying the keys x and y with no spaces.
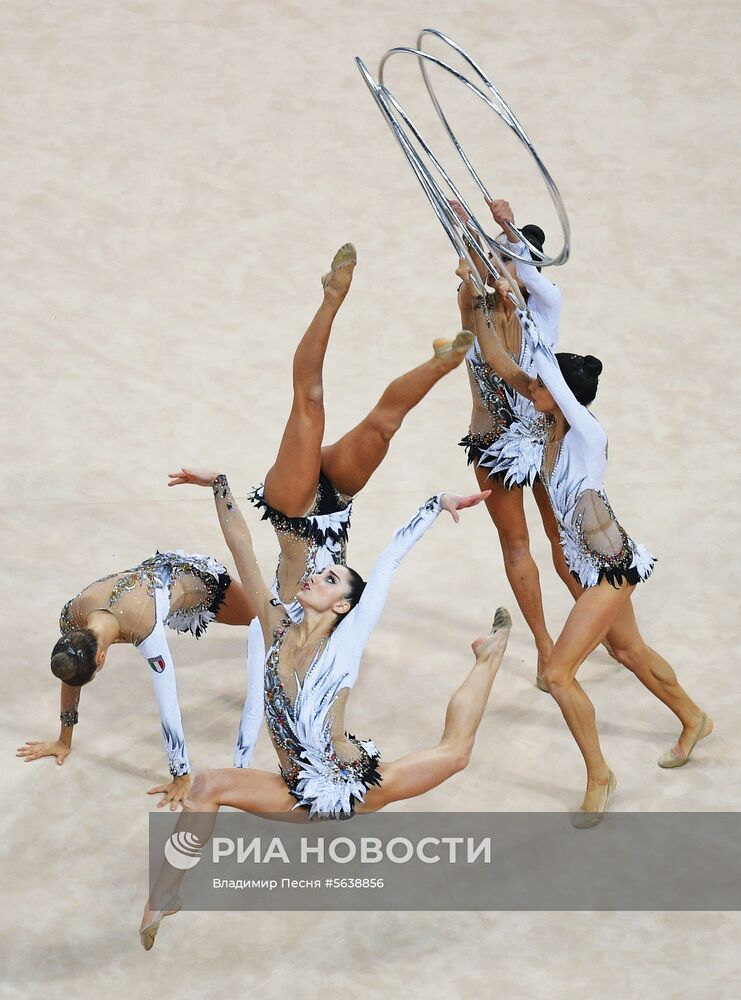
{"x":156,"y":663}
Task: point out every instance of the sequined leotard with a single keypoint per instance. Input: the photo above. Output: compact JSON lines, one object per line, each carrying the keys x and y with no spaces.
{"x":303,"y":728}
{"x":128,"y":594}
{"x":307,"y":545}
{"x":177,"y":589}
{"x":344,"y":767}
{"x":594,"y":543}
{"x":506,"y":434}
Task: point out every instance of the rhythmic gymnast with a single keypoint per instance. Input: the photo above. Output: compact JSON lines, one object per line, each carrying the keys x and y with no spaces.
{"x":184,"y":592}
{"x":310,"y":669}
{"x":607,"y":563}
{"x":307,"y":494}
{"x":506,"y":433}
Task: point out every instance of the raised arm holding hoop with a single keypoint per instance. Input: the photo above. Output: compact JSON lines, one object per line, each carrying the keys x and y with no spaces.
{"x":605,"y":560}
{"x":506,"y":434}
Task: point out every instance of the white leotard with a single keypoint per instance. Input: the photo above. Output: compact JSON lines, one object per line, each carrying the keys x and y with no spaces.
{"x":301,"y":727}
{"x":516,"y":450}
{"x":595,"y":544}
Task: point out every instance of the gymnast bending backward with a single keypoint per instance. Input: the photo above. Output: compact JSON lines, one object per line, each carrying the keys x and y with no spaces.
{"x":307,"y":494}
{"x":310,"y":668}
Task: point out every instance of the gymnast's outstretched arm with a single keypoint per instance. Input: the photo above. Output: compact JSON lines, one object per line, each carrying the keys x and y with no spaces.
{"x":578,"y":417}
{"x":465,"y":299}
{"x":355,"y":630}
{"x":474,"y":249}
{"x":544,"y":295}
{"x":237,"y":537}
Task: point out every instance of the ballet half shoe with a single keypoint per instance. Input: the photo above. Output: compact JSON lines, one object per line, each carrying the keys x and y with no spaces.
{"x":584,"y":820}
{"x":487,"y":645}
{"x":148,"y":932}
{"x":346,"y":255}
{"x":671,"y":759}
{"x":502,"y":617}
{"x":462,"y":342}
{"x":541,"y":684}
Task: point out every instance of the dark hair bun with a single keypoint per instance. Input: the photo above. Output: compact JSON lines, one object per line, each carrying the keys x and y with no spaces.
{"x":580,"y":374}
{"x":534,"y":234}
{"x":63,"y":666}
{"x":73,"y":657}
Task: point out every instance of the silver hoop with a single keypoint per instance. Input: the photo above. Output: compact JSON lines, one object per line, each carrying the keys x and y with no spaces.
{"x":470,"y":235}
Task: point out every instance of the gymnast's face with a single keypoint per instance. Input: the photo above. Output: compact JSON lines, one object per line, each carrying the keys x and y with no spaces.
{"x":541,"y":397}
{"x":326,"y":591}
{"x":99,"y":662}
{"x":511,"y":269}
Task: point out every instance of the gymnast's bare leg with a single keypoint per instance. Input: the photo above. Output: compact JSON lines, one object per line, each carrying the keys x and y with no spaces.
{"x":263,"y":793}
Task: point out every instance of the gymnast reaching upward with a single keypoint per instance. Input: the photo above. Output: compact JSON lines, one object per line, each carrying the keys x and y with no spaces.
{"x":310,"y":668}
{"x":506,"y":433}
{"x":604,"y":559}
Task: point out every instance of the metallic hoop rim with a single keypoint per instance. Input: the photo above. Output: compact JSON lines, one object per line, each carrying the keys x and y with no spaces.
{"x":460,"y":235}
{"x":508,"y":116}
{"x":463,"y":234}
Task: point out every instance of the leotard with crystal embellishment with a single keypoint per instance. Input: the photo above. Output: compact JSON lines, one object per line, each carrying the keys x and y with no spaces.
{"x":595,"y":544}
{"x":178,"y":589}
{"x":507,"y":434}
{"x":308,"y":545}
{"x":302,"y":729}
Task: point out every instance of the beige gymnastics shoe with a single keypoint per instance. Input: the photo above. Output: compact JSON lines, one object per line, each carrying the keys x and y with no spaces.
{"x":671,"y":759}
{"x":492,"y":643}
{"x":347,"y":255}
{"x":454,"y":351}
{"x":148,"y":931}
{"x":585,"y":820}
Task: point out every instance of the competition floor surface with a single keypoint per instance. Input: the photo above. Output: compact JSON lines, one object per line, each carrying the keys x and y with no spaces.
{"x":176,"y":177}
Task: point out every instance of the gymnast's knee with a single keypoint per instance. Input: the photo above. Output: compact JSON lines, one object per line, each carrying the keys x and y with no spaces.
{"x":630,"y":655}
{"x":515,"y":547}
{"x":312,"y":394}
{"x":385,"y":422}
{"x":556,"y":677}
{"x":205,"y":787}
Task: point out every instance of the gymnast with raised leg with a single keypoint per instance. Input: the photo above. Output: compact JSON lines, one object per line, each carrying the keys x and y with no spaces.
{"x":310,"y":669}
{"x":606,"y":561}
{"x":307,"y":494}
{"x":183,"y":591}
{"x":506,"y":434}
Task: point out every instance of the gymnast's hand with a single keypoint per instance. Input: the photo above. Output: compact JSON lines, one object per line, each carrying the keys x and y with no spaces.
{"x":175,"y":793}
{"x":191,"y":476}
{"x":503,"y":216}
{"x":459,"y":210}
{"x":464,"y":273}
{"x":35,"y":750}
{"x":453,"y":503}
